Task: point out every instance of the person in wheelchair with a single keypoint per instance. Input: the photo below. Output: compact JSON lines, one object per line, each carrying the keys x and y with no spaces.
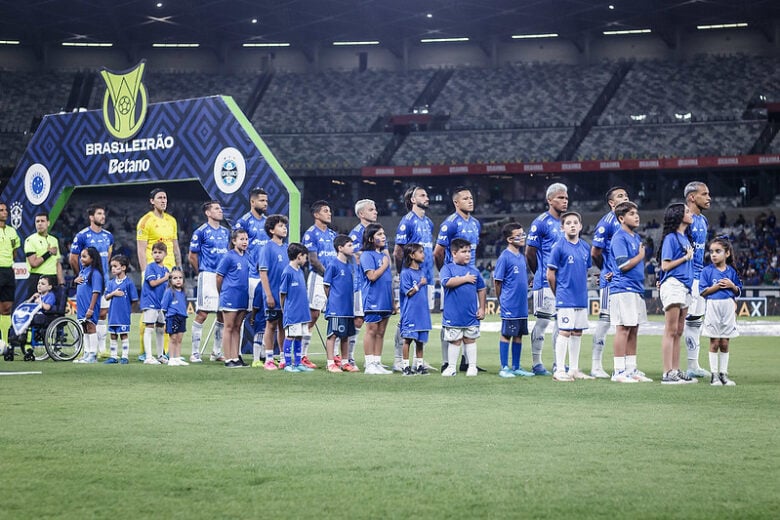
{"x":45,"y":297}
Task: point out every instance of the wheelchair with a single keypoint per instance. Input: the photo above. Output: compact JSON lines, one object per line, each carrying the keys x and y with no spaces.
{"x":51,"y":334}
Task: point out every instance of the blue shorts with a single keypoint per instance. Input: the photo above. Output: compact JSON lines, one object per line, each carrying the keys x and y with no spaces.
{"x":272,"y":315}
{"x":175,"y":324}
{"x":118,"y":329}
{"x":376,"y":317}
{"x":341,"y":327}
{"x":420,"y":336}
{"x":513,"y":327}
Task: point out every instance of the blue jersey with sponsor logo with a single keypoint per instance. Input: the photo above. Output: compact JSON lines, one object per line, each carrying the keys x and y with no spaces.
{"x":296,"y":303}
{"x":460,"y":303}
{"x":675,"y":246}
{"x":320,"y":242}
{"x":358,"y":278}
{"x":624,"y":247}
{"x":339,"y":277}
{"x":512,"y":271}
{"x":377,"y":295}
{"x":174,"y":302}
{"x":273,"y":259}
{"x":571,"y":261}
{"x":454,"y":227}
{"x":699,"y":234}
{"x":151,"y":297}
{"x":103,"y":241}
{"x":93,"y":283}
{"x":545,"y":232}
{"x":602,"y":238}
{"x":711,"y":275}
{"x":210,"y":244}
{"x":415,"y":314}
{"x":255,"y":230}
{"x":418,"y":230}
{"x":234,"y":270}
{"x":120,"y":307}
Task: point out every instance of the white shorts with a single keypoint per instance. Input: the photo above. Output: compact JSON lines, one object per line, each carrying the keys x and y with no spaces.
{"x":673,"y":292}
{"x":153,"y":316}
{"x":698,"y":303}
{"x":208,"y":296}
{"x":104,"y":303}
{"x":572,"y":319}
{"x":544,"y":303}
{"x":452,"y":334}
{"x":358,"y":304}
{"x":720,"y":319}
{"x":316,"y":288}
{"x":254,"y":283}
{"x":627,"y":309}
{"x":297,"y":330}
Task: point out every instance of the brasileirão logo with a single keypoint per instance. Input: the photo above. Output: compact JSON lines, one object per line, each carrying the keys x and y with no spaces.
{"x":125,"y":101}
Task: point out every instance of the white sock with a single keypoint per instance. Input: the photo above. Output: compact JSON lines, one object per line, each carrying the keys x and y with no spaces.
{"x":125,"y":348}
{"x":561,"y":344}
{"x":197,"y":333}
{"x":405,"y":363}
{"x":575,"y":342}
{"x":102,"y":332}
{"x":599,"y":339}
{"x":257,"y":347}
{"x":630,"y":363}
{"x":216,"y":348}
{"x":471,"y":354}
{"x":305,"y":345}
{"x":692,"y":333}
{"x":111,"y":347}
{"x":445,"y":348}
{"x":398,"y":344}
{"x":351,"y":342}
{"x":619,"y":364}
{"x":537,"y":339}
{"x":159,"y":333}
{"x":92,"y":341}
{"x":723,"y":359}
{"x":452,"y":353}
{"x":148,"y":337}
{"x":714,"y":362}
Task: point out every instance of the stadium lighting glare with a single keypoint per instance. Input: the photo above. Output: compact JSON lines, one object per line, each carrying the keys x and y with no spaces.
{"x":86,"y":44}
{"x":640,"y":117}
{"x":722,"y":26}
{"x":367,"y":42}
{"x":611,"y":7}
{"x":175,"y":45}
{"x":269,"y":44}
{"x":683,"y":117}
{"x":532,"y":36}
{"x":443,"y":40}
{"x":159,"y":5}
{"x":429,"y":15}
{"x":254,"y":20}
{"x":9,"y":42}
{"x":627,"y":31}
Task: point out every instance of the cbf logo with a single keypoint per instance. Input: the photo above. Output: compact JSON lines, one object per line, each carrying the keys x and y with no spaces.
{"x":37,"y":183}
{"x":229,"y":170}
{"x":16,"y":214}
{"x":124,"y":104}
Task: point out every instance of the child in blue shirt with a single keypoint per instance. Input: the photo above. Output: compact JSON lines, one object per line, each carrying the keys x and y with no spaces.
{"x":378,"y":302}
{"x":121,"y":294}
{"x":294,"y":302}
{"x":340,"y":309}
{"x":91,"y":283}
{"x":464,"y":306}
{"x":273,"y":260}
{"x":626,"y":300}
{"x":174,"y":306}
{"x":233,"y":287}
{"x":415,"y":312}
{"x":567,"y":275}
{"x":720,"y":285}
{"x":676,"y":259}
{"x":510,"y":277}
{"x":156,"y":276}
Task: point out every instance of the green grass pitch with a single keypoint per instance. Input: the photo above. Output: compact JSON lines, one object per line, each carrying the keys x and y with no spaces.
{"x":111,"y":441}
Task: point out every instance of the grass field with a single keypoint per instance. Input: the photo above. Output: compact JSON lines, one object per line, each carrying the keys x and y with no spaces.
{"x":207,"y":442}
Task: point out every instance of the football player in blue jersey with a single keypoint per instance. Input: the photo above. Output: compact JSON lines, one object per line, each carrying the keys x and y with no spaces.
{"x":602,"y":258}
{"x":209,"y":244}
{"x":697,"y":198}
{"x":545,"y":232}
{"x":365,"y":209}
{"x":95,"y":236}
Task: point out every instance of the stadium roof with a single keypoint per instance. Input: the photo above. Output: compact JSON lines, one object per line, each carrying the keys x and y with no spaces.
{"x":127,"y":23}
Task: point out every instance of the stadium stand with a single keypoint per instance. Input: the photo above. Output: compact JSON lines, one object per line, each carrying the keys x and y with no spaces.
{"x":326,"y":151}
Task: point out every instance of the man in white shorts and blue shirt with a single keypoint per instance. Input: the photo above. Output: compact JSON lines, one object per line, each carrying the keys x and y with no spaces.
{"x":602,"y":258}
{"x":318,"y":240}
{"x":365,"y":209}
{"x":697,"y":198}
{"x":209,"y":243}
{"x":544,"y":233}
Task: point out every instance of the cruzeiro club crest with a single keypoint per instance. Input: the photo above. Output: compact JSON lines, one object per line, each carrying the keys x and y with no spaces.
{"x":124,"y":104}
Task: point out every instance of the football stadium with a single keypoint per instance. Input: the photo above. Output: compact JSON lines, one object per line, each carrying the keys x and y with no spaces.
{"x":378,"y":259}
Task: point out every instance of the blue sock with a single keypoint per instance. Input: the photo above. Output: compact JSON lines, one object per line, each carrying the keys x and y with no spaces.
{"x":297,"y":352}
{"x":517,"y":348}
{"x":503,"y":353}
{"x":288,"y":352}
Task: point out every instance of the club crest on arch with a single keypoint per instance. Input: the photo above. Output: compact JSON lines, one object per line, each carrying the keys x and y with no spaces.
{"x":125,"y":101}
